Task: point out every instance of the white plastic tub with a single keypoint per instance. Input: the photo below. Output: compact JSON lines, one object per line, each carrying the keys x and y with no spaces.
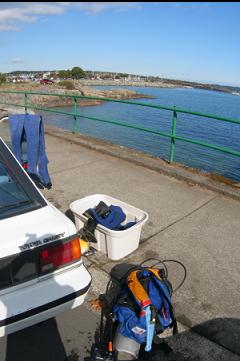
{"x":115,"y":244}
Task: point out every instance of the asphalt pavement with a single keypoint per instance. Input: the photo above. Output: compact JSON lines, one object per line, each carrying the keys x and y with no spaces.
{"x":187,"y":222}
{"x":68,"y":337}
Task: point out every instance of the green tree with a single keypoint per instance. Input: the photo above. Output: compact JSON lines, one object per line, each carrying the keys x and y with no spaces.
{"x":151,"y":79}
{"x":122,"y":75}
{"x":77,"y":73}
{"x":2,"y":78}
{"x":64,"y":74}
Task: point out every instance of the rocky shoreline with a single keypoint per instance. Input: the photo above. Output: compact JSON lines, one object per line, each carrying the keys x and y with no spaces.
{"x":167,"y":83}
{"x":55,"y":101}
{"x":140,"y":84}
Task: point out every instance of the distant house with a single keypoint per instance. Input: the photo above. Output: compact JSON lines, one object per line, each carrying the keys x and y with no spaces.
{"x":46,"y":75}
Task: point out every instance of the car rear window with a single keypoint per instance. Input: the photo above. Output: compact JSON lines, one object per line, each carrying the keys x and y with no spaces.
{"x":17,"y":193}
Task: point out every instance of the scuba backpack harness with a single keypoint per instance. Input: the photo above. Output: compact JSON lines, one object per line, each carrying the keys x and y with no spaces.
{"x":139,"y":307}
{"x":145,"y":307}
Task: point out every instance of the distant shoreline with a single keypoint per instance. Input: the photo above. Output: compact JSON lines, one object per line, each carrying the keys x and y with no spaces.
{"x":164,"y":84}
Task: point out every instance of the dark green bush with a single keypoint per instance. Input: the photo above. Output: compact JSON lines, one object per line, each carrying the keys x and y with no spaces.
{"x":2,"y":78}
{"x":67,"y":84}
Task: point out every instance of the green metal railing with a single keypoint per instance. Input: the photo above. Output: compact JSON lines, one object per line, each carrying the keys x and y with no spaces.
{"x":172,"y":135}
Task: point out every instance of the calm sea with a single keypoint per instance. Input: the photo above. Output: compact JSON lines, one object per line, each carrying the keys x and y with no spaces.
{"x":204,"y":129}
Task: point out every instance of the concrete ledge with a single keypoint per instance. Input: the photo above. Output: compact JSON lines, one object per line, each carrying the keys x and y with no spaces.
{"x":192,"y":176}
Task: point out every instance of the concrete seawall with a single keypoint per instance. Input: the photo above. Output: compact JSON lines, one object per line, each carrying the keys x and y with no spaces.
{"x":190,"y":175}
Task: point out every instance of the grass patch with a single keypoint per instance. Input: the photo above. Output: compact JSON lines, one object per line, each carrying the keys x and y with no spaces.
{"x":67,"y":84}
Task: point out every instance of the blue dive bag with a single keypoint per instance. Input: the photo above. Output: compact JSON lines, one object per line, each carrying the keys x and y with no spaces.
{"x":144,"y":307}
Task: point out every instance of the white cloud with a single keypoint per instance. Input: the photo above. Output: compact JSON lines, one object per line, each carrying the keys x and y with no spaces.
{"x":8,"y":27}
{"x":97,"y":7}
{"x":16,"y":61}
{"x":15,"y":13}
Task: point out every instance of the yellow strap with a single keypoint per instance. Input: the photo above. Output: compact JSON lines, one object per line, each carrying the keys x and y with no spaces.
{"x":155,"y":271}
{"x":137,"y":289}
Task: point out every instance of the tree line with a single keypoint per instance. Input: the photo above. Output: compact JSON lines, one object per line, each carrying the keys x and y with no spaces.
{"x":2,"y":78}
{"x":75,"y":73}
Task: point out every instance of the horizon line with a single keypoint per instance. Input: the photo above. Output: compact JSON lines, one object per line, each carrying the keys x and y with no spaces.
{"x":121,"y":72}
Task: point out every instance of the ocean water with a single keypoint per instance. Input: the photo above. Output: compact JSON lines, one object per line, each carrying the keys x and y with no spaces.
{"x":204,"y":129}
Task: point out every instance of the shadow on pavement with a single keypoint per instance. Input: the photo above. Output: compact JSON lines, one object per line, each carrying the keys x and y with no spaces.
{"x":39,"y":343}
{"x":223,"y":331}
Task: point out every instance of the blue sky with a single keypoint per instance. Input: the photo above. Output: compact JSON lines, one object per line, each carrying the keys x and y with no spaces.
{"x":191,"y":41}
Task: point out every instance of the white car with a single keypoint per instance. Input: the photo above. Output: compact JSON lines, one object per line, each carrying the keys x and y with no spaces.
{"x":41,"y":270}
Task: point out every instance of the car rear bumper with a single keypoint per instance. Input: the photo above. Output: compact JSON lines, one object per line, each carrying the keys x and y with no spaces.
{"x":45,"y":299}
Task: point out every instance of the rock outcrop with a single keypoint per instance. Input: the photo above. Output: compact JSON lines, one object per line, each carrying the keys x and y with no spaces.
{"x":45,"y":101}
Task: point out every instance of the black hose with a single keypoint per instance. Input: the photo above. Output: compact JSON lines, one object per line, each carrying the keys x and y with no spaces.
{"x":184,"y":268}
{"x":154,"y":265}
{"x":162,"y":262}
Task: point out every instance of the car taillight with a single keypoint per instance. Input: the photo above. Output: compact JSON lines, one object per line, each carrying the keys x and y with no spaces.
{"x":60,"y":255}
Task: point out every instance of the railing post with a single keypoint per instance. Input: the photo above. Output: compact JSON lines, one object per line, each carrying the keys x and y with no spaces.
{"x":174,"y":125}
{"x":25,"y":102}
{"x":74,"y":127}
